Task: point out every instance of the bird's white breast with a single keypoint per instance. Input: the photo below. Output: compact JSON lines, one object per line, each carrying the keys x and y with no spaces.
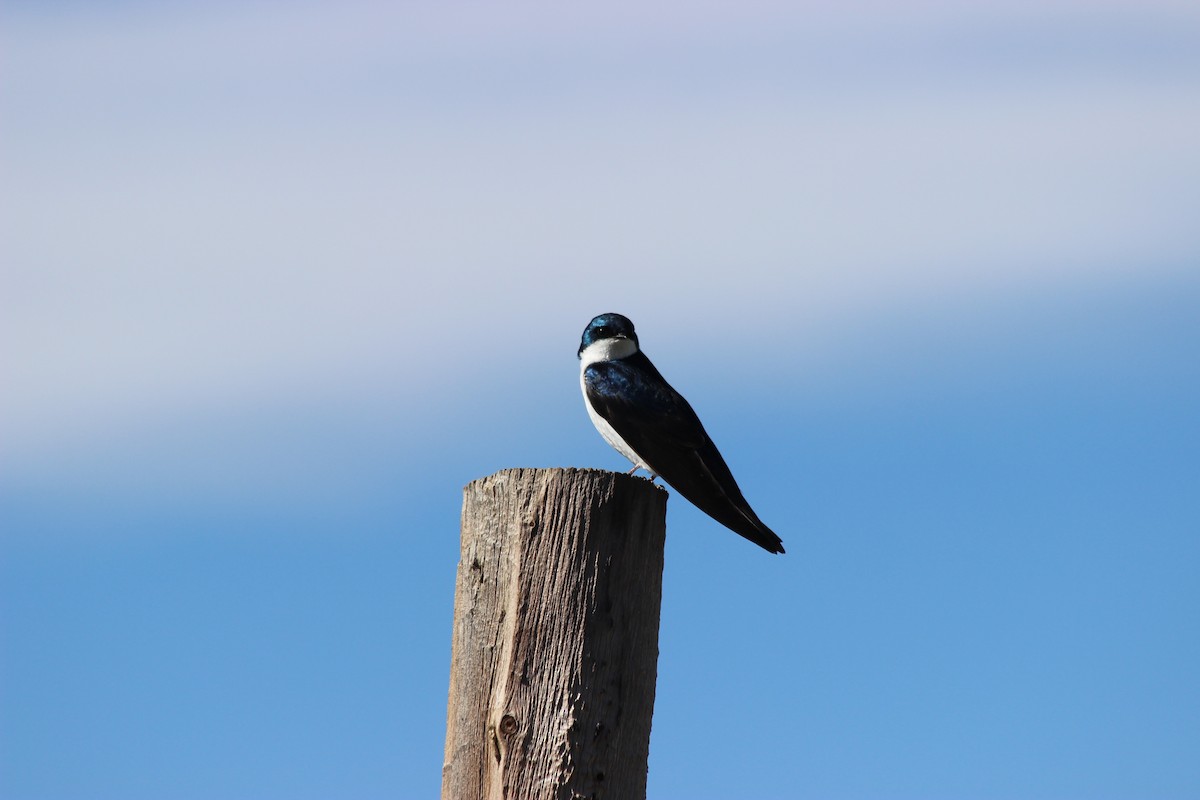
{"x":608,"y":350}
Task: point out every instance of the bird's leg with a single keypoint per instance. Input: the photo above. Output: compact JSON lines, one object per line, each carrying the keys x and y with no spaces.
{"x":636,"y":467}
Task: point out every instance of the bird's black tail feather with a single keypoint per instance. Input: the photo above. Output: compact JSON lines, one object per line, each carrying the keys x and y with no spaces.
{"x":710,"y":487}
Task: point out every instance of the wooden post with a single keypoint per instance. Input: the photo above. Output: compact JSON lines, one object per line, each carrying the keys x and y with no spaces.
{"x":555,"y":636}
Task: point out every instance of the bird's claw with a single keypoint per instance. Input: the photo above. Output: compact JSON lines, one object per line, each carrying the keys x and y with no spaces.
{"x":636,"y":467}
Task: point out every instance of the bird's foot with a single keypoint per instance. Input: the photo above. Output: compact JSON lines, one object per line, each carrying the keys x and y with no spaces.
{"x":652,"y":478}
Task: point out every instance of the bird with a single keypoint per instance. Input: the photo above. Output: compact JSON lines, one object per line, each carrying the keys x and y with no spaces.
{"x":644,"y":419}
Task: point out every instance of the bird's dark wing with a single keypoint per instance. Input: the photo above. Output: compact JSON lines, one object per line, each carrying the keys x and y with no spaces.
{"x":639,"y":404}
{"x":661,"y":427}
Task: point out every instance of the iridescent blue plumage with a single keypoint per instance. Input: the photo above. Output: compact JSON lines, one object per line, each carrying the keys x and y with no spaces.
{"x":646,"y":420}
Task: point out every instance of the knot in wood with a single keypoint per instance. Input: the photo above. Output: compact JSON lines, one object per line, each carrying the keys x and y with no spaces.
{"x":508,"y":725}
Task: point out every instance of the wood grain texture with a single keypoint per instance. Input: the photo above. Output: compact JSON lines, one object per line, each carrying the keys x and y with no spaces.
{"x":555,"y":647}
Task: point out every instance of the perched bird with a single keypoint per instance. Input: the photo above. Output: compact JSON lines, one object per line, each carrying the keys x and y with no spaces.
{"x":648,"y":422}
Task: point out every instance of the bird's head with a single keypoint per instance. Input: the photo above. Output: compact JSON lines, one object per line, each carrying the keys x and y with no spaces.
{"x":607,"y":337}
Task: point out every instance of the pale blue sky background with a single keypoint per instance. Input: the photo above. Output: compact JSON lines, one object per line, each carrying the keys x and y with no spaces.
{"x":279,"y":279}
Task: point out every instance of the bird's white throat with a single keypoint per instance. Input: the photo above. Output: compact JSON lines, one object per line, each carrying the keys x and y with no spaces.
{"x":607,"y":350}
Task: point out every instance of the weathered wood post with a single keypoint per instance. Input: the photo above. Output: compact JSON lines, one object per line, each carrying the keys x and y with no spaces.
{"x":555,"y":636}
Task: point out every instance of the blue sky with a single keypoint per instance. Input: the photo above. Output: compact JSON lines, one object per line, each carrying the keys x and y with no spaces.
{"x":278,"y":280}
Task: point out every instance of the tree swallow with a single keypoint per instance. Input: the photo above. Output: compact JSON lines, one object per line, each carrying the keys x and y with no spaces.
{"x":648,"y":422}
